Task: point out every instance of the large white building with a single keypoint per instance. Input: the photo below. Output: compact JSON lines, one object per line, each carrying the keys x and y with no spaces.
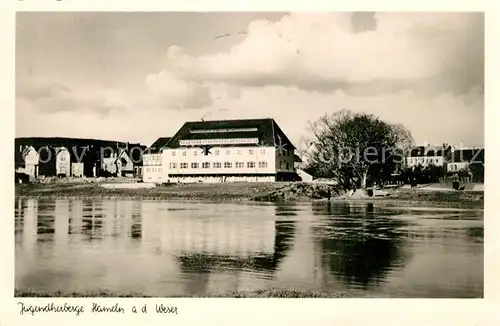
{"x":227,"y":150}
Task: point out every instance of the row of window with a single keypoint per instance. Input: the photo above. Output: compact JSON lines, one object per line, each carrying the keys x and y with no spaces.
{"x":421,"y":160}
{"x":217,"y":152}
{"x":217,"y":165}
{"x":153,"y":169}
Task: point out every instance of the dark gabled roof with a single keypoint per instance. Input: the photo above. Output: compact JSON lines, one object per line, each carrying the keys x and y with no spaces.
{"x":78,"y":153}
{"x":297,"y":159}
{"x":158,"y":145}
{"x":66,"y":142}
{"x":468,"y":155}
{"x":267,"y":131}
{"x":134,"y":152}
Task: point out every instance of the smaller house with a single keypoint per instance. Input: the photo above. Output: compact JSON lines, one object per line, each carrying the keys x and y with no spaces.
{"x":63,"y":162}
{"x":462,"y":158}
{"x":81,"y":164}
{"x":31,"y":161}
{"x":135,"y":152}
{"x":124,"y":164}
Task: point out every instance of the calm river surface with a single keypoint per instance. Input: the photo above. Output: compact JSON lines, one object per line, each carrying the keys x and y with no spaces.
{"x":186,"y":248}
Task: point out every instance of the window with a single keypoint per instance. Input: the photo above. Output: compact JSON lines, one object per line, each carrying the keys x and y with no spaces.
{"x":195,"y":153}
{"x":240,"y":165}
{"x":217,"y":165}
{"x":184,"y":165}
{"x":287,"y":165}
{"x":173,"y":165}
{"x":217,"y":152}
{"x":263,"y":151}
{"x":281,"y":164}
{"x":194,"y":165}
{"x":228,"y":152}
{"x":147,"y":169}
{"x":250,"y":164}
{"x":154,"y":169}
{"x":159,"y":169}
{"x":228,"y":165}
{"x":173,"y":153}
{"x":205,"y":165}
{"x":437,"y":161}
{"x":263,"y":164}
{"x":250,"y":151}
{"x":239,"y":152}
{"x":183,"y":153}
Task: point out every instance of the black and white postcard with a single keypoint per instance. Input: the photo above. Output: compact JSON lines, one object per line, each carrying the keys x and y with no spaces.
{"x":309,"y":156}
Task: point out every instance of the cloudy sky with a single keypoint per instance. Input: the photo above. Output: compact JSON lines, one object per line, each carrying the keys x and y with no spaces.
{"x":139,"y":76}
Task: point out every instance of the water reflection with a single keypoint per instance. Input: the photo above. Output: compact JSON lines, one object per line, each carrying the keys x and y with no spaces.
{"x":358,"y":245}
{"x":176,"y":248}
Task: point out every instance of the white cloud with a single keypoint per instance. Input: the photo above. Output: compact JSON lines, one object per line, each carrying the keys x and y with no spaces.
{"x":173,"y":92}
{"x":303,"y":49}
{"x":422,"y":70}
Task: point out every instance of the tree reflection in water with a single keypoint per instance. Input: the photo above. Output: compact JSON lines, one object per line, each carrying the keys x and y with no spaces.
{"x":359,"y":243}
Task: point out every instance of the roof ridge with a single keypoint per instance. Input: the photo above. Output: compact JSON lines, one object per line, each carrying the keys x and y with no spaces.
{"x":274,"y":133}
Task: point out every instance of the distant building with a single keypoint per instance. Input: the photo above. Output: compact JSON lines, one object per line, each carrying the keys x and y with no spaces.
{"x":63,"y":162}
{"x":31,"y":161}
{"x":124,"y":163}
{"x":42,"y":156}
{"x":251,"y":150}
{"x":152,"y":161}
{"x":428,"y":155}
{"x":462,"y":158}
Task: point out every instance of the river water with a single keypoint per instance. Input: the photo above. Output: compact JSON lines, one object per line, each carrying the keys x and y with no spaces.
{"x":180,"y":248}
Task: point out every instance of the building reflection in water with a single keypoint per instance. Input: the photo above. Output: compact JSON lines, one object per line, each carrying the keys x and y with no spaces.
{"x":358,"y":246}
{"x":208,"y":246}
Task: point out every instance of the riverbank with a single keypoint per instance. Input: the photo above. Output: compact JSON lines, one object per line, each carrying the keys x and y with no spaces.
{"x":265,"y":293}
{"x":242,"y":191}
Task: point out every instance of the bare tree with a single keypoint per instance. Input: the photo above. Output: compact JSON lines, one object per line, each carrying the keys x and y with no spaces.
{"x":348,"y":147}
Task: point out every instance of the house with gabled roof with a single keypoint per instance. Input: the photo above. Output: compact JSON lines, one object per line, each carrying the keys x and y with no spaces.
{"x":31,"y":160}
{"x":152,"y":161}
{"x":250,"y":150}
{"x":463,"y":157}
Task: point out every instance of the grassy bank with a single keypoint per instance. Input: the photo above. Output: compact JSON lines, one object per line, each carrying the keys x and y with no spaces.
{"x":265,"y":192}
{"x":267,"y":293}
{"x":259,"y":191}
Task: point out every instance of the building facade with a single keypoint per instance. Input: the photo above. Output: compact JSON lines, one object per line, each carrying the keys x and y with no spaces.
{"x":254,"y":150}
{"x":462,"y":158}
{"x":424,"y":156}
{"x":152,"y":161}
{"x":31,"y":161}
{"x":63,"y":162}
